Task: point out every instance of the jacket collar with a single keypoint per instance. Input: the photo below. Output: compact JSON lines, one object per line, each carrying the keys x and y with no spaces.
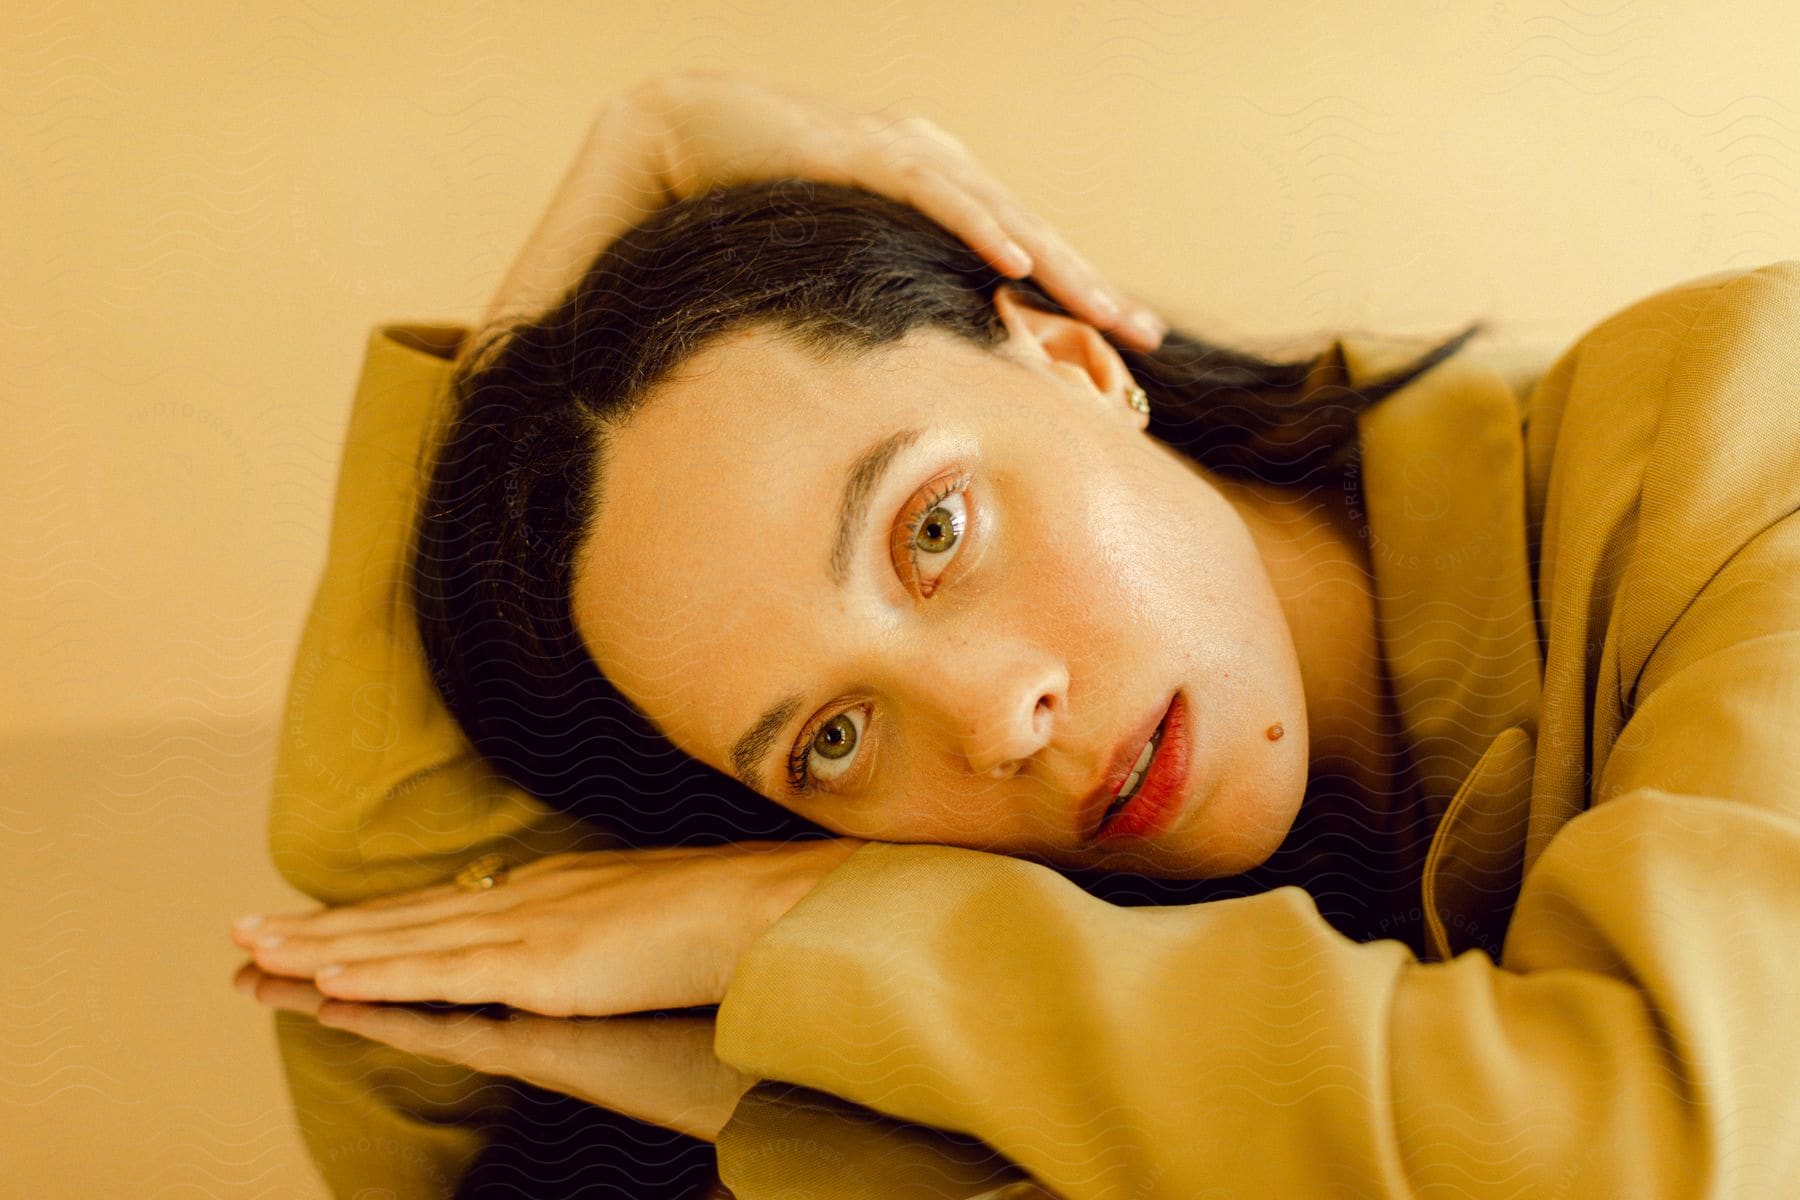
{"x":1440,"y":474}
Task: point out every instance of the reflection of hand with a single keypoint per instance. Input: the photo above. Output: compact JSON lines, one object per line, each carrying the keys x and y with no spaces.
{"x":596,"y":933}
{"x":722,"y":128}
{"x":660,"y":1070}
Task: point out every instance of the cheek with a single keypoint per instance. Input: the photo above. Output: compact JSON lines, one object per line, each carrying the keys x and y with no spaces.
{"x":1126,"y":548}
{"x":929,"y":801}
{"x":1085,"y":570}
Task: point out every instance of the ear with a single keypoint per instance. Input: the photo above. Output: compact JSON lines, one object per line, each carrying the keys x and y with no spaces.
{"x":1071,"y":349}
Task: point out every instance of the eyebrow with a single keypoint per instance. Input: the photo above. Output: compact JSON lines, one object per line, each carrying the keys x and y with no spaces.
{"x":861,"y":483}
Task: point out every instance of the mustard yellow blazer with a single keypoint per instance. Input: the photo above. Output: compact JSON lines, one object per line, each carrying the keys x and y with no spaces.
{"x":1588,"y":603}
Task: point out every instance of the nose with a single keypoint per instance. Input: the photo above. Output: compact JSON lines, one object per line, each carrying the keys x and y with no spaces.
{"x":1001,"y":702}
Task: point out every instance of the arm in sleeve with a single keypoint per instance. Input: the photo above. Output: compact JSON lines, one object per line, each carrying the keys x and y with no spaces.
{"x":1639,"y":1037}
{"x":376,"y":787}
{"x":1640,"y":1040}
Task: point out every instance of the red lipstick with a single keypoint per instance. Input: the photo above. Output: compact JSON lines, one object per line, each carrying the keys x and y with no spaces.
{"x":1119,"y":763}
{"x":1153,"y":808}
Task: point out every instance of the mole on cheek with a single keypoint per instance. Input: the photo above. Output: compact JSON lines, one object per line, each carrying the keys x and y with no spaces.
{"x":1273,"y":733}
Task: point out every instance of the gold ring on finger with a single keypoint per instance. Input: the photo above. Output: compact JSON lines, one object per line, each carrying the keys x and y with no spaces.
{"x":488,"y":871}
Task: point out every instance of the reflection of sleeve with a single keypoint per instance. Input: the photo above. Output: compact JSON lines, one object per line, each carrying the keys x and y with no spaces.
{"x":1641,"y":1037}
{"x":381,"y":1122}
{"x":376,"y":788}
{"x":785,"y":1141}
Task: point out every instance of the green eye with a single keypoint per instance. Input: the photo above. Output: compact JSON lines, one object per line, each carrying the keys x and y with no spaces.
{"x":837,"y":738}
{"x":939,"y":530}
{"x":926,"y":547}
{"x":829,"y":756}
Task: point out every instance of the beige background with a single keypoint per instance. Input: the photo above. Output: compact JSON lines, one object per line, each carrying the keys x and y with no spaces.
{"x":205,"y":213}
{"x":204,"y":208}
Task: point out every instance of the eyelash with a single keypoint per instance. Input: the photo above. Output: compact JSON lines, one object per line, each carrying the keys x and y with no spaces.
{"x":800,"y":780}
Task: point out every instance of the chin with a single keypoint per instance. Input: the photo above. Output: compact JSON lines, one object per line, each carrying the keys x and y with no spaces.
{"x":1212,"y":865}
{"x":1258,"y":832}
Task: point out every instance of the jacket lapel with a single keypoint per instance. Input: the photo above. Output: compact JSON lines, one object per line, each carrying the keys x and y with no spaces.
{"x":1441,"y":470}
{"x":1476,"y":864}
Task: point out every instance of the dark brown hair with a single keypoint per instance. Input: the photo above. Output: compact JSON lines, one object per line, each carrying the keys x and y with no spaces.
{"x":839,"y":270}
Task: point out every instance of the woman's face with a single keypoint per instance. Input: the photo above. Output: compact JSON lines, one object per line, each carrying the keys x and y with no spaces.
{"x":953,"y":590}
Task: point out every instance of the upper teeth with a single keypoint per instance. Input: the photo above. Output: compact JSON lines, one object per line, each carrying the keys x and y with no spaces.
{"x":1137,"y":772}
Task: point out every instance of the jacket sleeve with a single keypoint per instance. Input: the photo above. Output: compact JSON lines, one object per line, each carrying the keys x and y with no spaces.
{"x":376,"y":788}
{"x":1640,"y":1035}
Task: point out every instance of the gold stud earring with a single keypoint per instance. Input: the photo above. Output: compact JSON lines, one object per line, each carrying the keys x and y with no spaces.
{"x":1137,"y":398}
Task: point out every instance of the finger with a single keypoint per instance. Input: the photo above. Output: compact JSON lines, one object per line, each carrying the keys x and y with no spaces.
{"x":467,"y":975}
{"x":1067,"y":275}
{"x":520,"y":1043}
{"x":458,"y":1037}
{"x":294,"y":995}
{"x":550,"y":876}
{"x":942,"y":180}
{"x":926,"y":188}
{"x":303,"y":954}
{"x":1140,"y":328}
{"x":972,"y":221}
{"x":394,"y":909}
{"x":327,"y":922}
{"x":1070,"y":281}
{"x":427,"y":905}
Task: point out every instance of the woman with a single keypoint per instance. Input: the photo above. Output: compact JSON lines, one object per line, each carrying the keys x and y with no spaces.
{"x":1001,"y":601}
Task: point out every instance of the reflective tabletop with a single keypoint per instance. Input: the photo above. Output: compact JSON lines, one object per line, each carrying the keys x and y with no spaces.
{"x":143,"y":1050}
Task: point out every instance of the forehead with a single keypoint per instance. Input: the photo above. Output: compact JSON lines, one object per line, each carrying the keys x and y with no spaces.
{"x":718,"y":499}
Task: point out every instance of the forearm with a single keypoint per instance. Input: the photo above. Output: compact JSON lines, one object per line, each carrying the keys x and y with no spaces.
{"x":616,"y":180}
{"x":1247,"y":1046}
{"x":675,"y":134}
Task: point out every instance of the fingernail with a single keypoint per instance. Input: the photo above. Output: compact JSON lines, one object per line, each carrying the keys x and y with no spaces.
{"x":1148,"y":327}
{"x":270,"y":942}
{"x":328,"y":970}
{"x":246,"y":924}
{"x":1017,"y":261}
